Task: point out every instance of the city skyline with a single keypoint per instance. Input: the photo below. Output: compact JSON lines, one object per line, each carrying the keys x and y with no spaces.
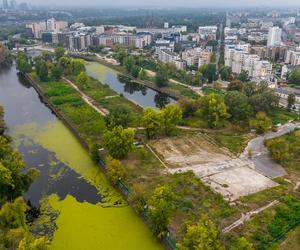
{"x":165,"y":3}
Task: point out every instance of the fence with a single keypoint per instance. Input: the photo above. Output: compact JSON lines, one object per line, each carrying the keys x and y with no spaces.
{"x":126,"y":192}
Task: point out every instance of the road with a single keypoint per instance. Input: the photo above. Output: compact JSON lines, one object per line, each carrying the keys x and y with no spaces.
{"x":261,"y":158}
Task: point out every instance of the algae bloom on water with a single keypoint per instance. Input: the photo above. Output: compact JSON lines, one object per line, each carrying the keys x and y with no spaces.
{"x":87,"y":226}
{"x":82,"y":225}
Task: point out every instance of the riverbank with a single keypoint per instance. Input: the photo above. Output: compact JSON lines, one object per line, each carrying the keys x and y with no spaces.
{"x":174,"y":91}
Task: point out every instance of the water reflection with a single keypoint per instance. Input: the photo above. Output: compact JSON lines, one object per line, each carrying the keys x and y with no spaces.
{"x":138,"y":93}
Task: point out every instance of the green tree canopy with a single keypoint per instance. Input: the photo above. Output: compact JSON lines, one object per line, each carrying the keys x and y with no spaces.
{"x":23,"y":64}
{"x":82,"y":80}
{"x":152,"y":121}
{"x":244,"y":76}
{"x":294,"y":76}
{"x":203,"y":236}
{"x":235,"y":85}
{"x":238,"y":106}
{"x":242,"y":244}
{"x":209,"y":71}
{"x":261,"y":123}
{"x":59,"y":53}
{"x":115,"y":170}
{"x":171,"y":116}
{"x":214,"y":109}
{"x":160,"y":209}
{"x":119,"y":142}
{"x":118,"y":116}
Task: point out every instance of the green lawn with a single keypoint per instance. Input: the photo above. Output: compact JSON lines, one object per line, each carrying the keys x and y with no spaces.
{"x":281,"y":116}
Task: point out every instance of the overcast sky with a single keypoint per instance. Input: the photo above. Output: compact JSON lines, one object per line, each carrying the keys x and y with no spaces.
{"x":167,"y":3}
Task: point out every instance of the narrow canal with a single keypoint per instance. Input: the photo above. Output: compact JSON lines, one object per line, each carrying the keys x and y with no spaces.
{"x":140,"y":94}
{"x":92,"y":215}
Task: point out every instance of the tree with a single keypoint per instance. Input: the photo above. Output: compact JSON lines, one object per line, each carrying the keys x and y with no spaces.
{"x":291,"y":101}
{"x":171,"y":116}
{"x":279,"y":149}
{"x":12,"y":182}
{"x":249,"y":88}
{"x":59,"y":53}
{"x":23,"y":64}
{"x":209,"y":71}
{"x":76,"y":66}
{"x":160,"y":209}
{"x":43,"y":71}
{"x":128,"y":63}
{"x":152,"y":121}
{"x":115,"y":170}
{"x":188,"y":106}
{"x":57,"y":72}
{"x":14,"y":229}
{"x":118,"y":116}
{"x":214,"y":109}
{"x":82,"y":80}
{"x":2,"y":123}
{"x":119,"y":142}
{"x":242,"y":244}
{"x":235,"y":85}
{"x":244,"y":76}
{"x":238,"y":106}
{"x":264,"y":100}
{"x":294,"y":76}
{"x":161,"y":78}
{"x":135,"y":70}
{"x":262,"y":123}
{"x":225,"y":73}
{"x":203,"y":236}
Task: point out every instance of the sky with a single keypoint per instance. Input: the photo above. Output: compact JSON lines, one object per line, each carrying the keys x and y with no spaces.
{"x":167,"y":3}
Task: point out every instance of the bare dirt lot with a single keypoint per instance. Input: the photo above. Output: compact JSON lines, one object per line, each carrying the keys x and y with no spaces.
{"x":188,"y":151}
{"x":232,"y":177}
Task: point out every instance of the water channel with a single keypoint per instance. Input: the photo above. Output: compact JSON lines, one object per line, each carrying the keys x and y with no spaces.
{"x":92,"y":215}
{"x":140,"y":94}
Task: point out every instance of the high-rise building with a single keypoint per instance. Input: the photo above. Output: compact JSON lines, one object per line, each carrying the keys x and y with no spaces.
{"x":5,"y":4}
{"x":274,"y":36}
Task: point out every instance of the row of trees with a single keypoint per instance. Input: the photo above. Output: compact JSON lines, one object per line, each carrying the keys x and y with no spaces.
{"x":14,"y":229}
{"x":50,"y":66}
{"x":240,"y":104}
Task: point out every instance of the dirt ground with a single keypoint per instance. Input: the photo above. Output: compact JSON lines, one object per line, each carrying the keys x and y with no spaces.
{"x":188,"y":151}
{"x":232,"y":177}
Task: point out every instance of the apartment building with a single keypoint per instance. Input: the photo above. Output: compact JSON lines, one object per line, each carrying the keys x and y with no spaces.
{"x":208,"y":32}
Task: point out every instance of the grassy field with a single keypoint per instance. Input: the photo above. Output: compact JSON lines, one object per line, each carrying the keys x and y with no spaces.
{"x":281,"y":116}
{"x":110,"y":100}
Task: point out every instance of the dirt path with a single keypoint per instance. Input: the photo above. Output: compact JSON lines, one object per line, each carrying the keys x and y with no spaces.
{"x":247,"y":216}
{"x":87,"y":99}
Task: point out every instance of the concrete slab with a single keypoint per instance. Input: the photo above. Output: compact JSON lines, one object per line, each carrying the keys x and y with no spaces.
{"x":237,"y":182}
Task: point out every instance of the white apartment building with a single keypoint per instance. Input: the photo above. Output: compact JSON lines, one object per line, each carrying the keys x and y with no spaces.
{"x":52,"y":25}
{"x":100,"y":30}
{"x":208,"y":32}
{"x":164,"y":45}
{"x":238,"y":59}
{"x":274,"y":36}
{"x":293,"y":57}
{"x":196,"y":56}
{"x":167,"y":56}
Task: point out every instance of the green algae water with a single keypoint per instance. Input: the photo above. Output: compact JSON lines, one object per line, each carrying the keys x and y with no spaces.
{"x":90,"y":213}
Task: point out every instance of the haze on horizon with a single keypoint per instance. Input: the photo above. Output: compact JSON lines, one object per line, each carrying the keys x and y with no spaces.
{"x":167,"y":3}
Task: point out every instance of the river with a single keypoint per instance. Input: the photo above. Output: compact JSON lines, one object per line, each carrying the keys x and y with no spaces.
{"x":92,"y":215}
{"x":139,"y":94}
